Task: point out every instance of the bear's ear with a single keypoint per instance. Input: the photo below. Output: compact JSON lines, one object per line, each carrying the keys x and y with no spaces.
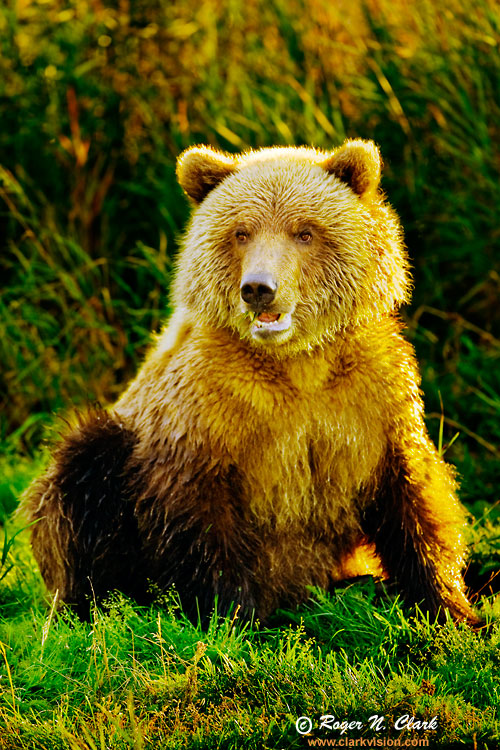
{"x":358,"y":164}
{"x":201,"y":168}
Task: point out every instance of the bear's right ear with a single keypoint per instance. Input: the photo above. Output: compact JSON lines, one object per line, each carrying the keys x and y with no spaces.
{"x":201,"y":168}
{"x":358,"y":164}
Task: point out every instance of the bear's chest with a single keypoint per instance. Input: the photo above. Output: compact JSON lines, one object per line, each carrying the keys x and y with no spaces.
{"x":316,"y":459}
{"x":303,"y":440}
{"x":302,"y":447}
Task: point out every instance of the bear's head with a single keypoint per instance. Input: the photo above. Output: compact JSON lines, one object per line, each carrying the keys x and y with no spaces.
{"x":287,"y":246}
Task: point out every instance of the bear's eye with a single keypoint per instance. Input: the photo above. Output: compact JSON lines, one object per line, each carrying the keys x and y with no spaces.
{"x":305,"y":236}
{"x":241,"y":236}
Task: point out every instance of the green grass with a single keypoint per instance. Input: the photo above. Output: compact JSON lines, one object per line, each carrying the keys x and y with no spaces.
{"x":133,"y":678}
{"x":137,"y":677}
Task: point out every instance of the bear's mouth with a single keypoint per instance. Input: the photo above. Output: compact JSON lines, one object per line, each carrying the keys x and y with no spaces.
{"x":265,"y":319}
{"x":266,"y":324}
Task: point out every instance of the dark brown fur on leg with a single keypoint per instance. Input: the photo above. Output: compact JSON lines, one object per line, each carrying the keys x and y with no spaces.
{"x":85,"y":540}
{"x":194,"y":536}
{"x":417,"y":526}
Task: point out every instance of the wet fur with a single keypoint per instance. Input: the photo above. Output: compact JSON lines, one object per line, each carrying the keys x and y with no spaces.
{"x":247,"y":472}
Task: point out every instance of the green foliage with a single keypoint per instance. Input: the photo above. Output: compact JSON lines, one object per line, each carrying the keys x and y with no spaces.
{"x":61,"y":330}
{"x":135,"y":677}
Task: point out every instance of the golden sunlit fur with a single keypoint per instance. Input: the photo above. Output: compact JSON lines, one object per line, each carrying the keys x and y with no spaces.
{"x":276,"y":426}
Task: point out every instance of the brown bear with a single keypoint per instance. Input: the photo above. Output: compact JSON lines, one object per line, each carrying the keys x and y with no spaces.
{"x":276,"y":426}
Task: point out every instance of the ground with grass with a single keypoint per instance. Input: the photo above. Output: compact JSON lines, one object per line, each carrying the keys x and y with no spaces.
{"x":133,"y":677}
{"x":96,"y":101}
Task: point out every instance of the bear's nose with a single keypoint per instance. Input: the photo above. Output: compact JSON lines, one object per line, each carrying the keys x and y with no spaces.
{"x":258,"y":290}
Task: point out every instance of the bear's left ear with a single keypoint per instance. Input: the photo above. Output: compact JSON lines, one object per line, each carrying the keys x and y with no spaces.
{"x":201,"y":168}
{"x":358,"y":164}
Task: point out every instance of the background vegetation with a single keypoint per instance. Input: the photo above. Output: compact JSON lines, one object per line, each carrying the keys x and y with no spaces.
{"x":97,"y":98}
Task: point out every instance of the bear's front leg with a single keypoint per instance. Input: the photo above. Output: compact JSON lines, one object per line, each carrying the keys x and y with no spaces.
{"x":85,"y":537}
{"x":195,"y":535}
{"x":417,"y":525}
